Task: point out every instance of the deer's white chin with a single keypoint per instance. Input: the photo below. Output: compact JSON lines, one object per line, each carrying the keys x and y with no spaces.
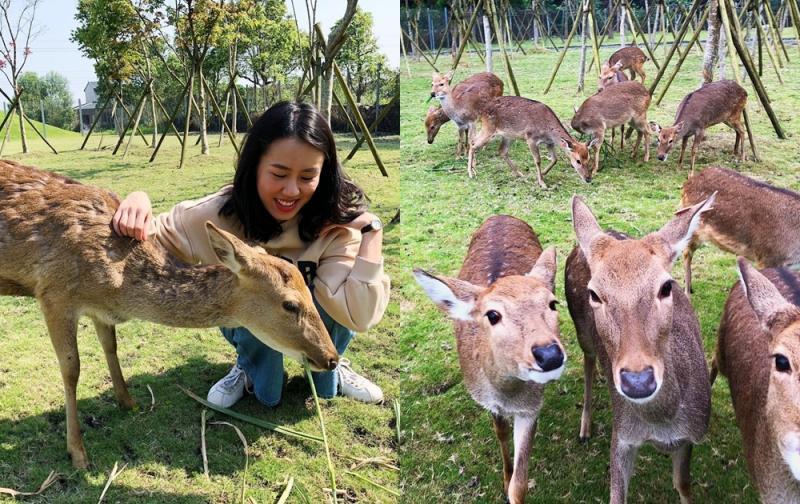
{"x":543,"y":376}
{"x":790,"y":451}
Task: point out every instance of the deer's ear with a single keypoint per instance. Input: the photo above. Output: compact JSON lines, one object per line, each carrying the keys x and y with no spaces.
{"x":449,"y":75}
{"x":453,"y":296}
{"x":585,"y":225}
{"x":679,"y":126}
{"x":226,"y":247}
{"x":545,"y":268}
{"x":677,"y":233}
{"x":618,"y":66}
{"x":773,"y":311}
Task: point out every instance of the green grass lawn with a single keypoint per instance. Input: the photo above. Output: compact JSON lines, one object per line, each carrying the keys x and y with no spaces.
{"x":161,"y":446}
{"x":450,"y":453}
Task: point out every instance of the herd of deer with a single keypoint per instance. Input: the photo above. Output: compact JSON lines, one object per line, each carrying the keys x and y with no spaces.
{"x":619,"y":101}
{"x":624,"y":304}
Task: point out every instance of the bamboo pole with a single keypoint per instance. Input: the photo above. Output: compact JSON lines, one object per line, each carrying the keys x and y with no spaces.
{"x":359,"y":119}
{"x":132,"y":119}
{"x":119,"y":99}
{"x":499,"y":34}
{"x":136,"y":124}
{"x":638,"y":30}
{"x":593,"y":32}
{"x":562,"y":54}
{"x":215,"y":105}
{"x":189,"y":98}
{"x":166,"y":114}
{"x":431,"y":63}
{"x":776,"y":31}
{"x":673,"y":47}
{"x":353,"y":127}
{"x":171,"y":120}
{"x":465,"y":37}
{"x":381,"y":117}
{"x":763,"y":37}
{"x":94,"y":123}
{"x":794,"y":12}
{"x":27,"y":119}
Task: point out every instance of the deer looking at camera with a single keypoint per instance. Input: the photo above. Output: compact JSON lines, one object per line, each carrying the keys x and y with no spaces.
{"x":758,"y":350}
{"x":616,"y":105}
{"x":628,"y":313}
{"x":514,"y":117}
{"x":506,"y":326}
{"x":628,"y":58}
{"x":714,"y":103}
{"x":750,"y":218}
{"x":461,"y":104}
{"x":57,"y":245}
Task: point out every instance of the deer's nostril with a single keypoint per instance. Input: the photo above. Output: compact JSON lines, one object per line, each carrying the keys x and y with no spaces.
{"x":548,"y":357}
{"x":332,"y":363}
{"x":638,"y":385}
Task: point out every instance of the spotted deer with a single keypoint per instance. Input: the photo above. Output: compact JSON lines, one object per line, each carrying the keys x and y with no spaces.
{"x":514,"y":117}
{"x":750,"y":218}
{"x":714,"y":103}
{"x":461,"y":103}
{"x":758,"y":351}
{"x":506,"y":327}
{"x":610,"y":75}
{"x":615,"y":106}
{"x":628,"y":314}
{"x":57,"y":245}
{"x":629,"y":58}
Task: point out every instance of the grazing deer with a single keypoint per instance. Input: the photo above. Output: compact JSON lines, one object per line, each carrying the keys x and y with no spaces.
{"x":714,"y":103}
{"x":433,"y":122}
{"x":506,"y":326}
{"x":615,"y":106}
{"x":461,"y":103}
{"x":758,"y":350}
{"x":750,"y":218}
{"x":514,"y":117}
{"x":626,"y":312}
{"x":57,"y":245}
{"x":629,"y":58}
{"x":610,"y":75}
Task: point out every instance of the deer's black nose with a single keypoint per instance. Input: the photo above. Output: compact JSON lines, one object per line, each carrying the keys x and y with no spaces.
{"x":548,"y":357}
{"x":638,"y":385}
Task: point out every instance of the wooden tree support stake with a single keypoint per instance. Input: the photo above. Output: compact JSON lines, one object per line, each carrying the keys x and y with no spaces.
{"x":171,"y":120}
{"x":684,"y":27}
{"x":132,"y":120}
{"x":465,"y":37}
{"x":214,"y":104}
{"x":562,"y":54}
{"x":695,"y":36}
{"x":489,"y":6}
{"x":28,"y":120}
{"x":94,"y":123}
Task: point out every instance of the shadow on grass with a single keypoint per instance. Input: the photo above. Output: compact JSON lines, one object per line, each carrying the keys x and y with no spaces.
{"x":156,"y":442}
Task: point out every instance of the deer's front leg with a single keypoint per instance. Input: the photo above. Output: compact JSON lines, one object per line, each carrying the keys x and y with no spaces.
{"x":623,"y":457}
{"x":589,"y":367}
{"x":502,"y":430}
{"x":63,"y":329}
{"x":681,"y":480}
{"x":524,"y":432}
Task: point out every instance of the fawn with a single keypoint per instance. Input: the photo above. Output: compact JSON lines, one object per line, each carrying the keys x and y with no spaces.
{"x":461,"y":103}
{"x":514,"y":117}
{"x":629,"y":58}
{"x":57,"y":245}
{"x":626,"y":312}
{"x":615,"y":106}
{"x":506,"y":326}
{"x":750,"y":218}
{"x":758,"y":350}
{"x":714,"y":103}
{"x":610,"y":75}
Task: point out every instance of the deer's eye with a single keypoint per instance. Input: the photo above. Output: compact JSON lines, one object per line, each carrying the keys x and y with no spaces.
{"x":594,"y":297}
{"x":665,"y":290}
{"x":553,"y":305}
{"x":782,"y":364}
{"x":493,"y":316}
{"x":291,"y":307}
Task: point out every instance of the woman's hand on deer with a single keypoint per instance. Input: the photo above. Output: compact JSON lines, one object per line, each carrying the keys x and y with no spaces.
{"x":133,"y":216}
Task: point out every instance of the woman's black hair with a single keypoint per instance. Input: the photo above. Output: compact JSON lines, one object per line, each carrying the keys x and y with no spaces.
{"x":337,"y":200}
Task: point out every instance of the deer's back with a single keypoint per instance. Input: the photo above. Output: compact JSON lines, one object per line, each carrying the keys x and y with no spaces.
{"x":615,"y":105}
{"x":469,"y":96}
{"x":516,"y":116}
{"x":749,"y":218}
{"x":629,"y":56}
{"x":713,"y":103}
{"x":56,"y":236}
{"x":743,"y":357}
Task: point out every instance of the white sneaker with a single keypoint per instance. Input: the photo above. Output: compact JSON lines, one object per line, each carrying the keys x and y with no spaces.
{"x":230,"y":388}
{"x":352,"y":384}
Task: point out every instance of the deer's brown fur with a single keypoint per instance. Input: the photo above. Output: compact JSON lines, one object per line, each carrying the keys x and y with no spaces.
{"x":629,"y":58}
{"x":56,"y":244}
{"x":750,"y":218}
{"x":514,"y":117}
{"x":462,"y":103}
{"x":505,"y":272}
{"x":714,"y":103}
{"x":646,"y":335}
{"x":618,"y":104}
{"x":759,"y":324}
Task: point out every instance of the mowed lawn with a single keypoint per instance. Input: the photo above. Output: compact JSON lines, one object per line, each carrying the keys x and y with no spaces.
{"x":450,"y":453}
{"x":160,"y":444}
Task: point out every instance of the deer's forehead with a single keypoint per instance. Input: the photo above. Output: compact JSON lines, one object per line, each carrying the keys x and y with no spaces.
{"x":629,"y":265}
{"x":516,"y":290}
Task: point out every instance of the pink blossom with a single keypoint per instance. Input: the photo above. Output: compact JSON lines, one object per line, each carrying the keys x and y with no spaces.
{"x":27,"y":50}
{"x":2,"y":63}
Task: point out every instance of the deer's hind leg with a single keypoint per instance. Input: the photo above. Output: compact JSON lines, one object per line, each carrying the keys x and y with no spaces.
{"x":107,"y":334}
{"x":505,"y":143}
{"x":63,"y":328}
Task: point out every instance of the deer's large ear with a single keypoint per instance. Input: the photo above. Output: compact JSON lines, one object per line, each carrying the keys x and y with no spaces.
{"x":773,"y":311}
{"x":226,"y":247}
{"x":449,"y":75}
{"x":618,"y":66}
{"x":453,"y":296}
{"x":585,"y":225}
{"x":677,"y":233}
{"x":545,"y":268}
{"x":679,"y":126}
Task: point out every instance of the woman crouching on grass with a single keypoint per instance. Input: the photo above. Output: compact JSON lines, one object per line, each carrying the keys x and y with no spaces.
{"x":289,"y":194}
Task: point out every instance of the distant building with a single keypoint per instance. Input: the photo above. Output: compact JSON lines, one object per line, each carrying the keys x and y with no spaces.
{"x":88,"y":110}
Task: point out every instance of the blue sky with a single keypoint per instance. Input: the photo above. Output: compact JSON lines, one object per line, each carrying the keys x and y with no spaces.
{"x":53,"y":50}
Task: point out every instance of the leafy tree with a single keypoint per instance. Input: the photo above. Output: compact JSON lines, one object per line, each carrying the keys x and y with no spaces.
{"x":52,"y":90}
{"x":359,"y":58}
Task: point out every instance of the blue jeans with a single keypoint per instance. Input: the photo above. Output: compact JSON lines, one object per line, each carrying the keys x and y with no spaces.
{"x":264,"y":366}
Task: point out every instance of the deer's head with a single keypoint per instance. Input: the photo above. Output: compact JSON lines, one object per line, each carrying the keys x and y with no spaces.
{"x":440,"y":84}
{"x":578,"y":153}
{"x":610,"y":75}
{"x":273,"y":301}
{"x":434,"y":121}
{"x":630,"y":293}
{"x":781,"y":320}
{"x":515,"y":318}
{"x":666,"y":137}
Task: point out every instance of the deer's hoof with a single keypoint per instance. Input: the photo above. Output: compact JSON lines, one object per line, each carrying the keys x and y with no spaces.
{"x":583,"y":440}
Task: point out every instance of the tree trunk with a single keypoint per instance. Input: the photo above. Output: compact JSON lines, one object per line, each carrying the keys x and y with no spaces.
{"x":621,"y":25}
{"x":22,"y":134}
{"x":203,"y":116}
{"x":487,"y":36}
{"x":326,"y":98}
{"x":582,"y":65}
{"x":712,"y":43}
{"x":723,"y":46}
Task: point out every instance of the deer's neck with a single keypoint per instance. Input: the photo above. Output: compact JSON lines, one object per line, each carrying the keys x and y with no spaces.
{"x":182,"y":296}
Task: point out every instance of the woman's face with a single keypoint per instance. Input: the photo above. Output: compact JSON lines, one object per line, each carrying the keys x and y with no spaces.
{"x":288,"y":175}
